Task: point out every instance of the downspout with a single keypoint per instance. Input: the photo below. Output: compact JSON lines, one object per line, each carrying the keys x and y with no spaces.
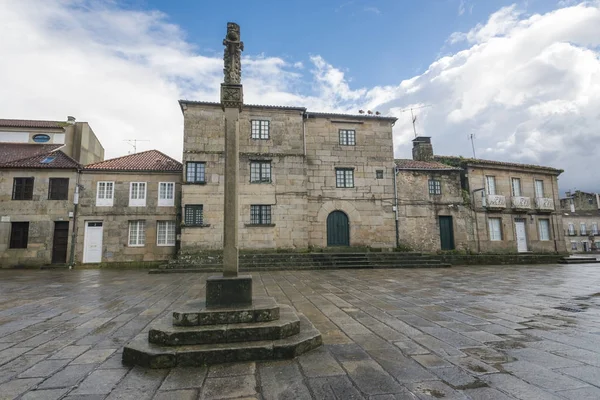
{"x":396,"y":206}
{"x":475,"y":217}
{"x":304,"y":133}
{"x":554,"y":220}
{"x":74,"y":229}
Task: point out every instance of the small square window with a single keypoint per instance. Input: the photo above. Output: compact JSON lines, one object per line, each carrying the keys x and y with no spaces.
{"x":347,"y":137}
{"x":260,"y":215}
{"x":195,"y":172}
{"x":379,"y":174}
{"x":22,"y":189}
{"x":435,"y":186}
{"x":344,"y":177}
{"x":58,"y":189}
{"x":260,"y":171}
{"x":260,"y":129}
{"x":194,"y":215}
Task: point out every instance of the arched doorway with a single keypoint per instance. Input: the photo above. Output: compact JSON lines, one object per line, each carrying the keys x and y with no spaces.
{"x":338,"y":229}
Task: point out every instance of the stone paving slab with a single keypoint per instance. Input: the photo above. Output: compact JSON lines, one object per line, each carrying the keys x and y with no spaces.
{"x":461,"y":333}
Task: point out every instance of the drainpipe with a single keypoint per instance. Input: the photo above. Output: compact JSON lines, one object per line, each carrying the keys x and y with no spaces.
{"x":475,"y":217}
{"x":396,"y":206}
{"x":74,"y":229}
{"x":304,"y":133}
{"x":554,"y":220}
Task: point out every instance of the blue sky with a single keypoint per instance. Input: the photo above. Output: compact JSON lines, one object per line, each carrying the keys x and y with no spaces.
{"x":522,"y":76}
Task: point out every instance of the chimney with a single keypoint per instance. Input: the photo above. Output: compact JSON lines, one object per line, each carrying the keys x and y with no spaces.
{"x":422,"y":149}
{"x":70,"y":120}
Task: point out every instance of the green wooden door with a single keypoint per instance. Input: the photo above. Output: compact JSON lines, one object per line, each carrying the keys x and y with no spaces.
{"x":446,"y":233}
{"x":338,"y":229}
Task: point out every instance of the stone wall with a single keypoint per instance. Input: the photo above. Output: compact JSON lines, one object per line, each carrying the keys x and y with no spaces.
{"x":116,"y":219}
{"x":40,"y":212}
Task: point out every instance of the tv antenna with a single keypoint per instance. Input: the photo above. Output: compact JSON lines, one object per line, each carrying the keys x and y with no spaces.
{"x":472,"y":139}
{"x":414,"y":117}
{"x":133,"y":143}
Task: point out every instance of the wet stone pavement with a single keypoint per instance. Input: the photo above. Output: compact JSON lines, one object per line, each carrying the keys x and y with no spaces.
{"x":459,"y":333}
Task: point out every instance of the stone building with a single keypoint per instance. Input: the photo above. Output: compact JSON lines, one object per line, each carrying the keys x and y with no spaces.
{"x":306,"y":179}
{"x":37,"y":184}
{"x":128,"y":209}
{"x":433,"y":213}
{"x":514,"y":205}
{"x":77,"y":139}
{"x":581,"y":219}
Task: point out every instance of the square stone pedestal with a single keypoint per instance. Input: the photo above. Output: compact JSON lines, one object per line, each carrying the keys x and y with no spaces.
{"x":228,"y":292}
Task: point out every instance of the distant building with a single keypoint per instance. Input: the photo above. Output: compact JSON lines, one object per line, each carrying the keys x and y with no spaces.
{"x":581,"y":219}
{"x":77,"y":139}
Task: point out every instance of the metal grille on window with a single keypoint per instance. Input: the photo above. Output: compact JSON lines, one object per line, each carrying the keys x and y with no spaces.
{"x":195,"y":171}
{"x":344,"y":178}
{"x":260,"y":129}
{"x":435,"y":186}
{"x":347,"y":137}
{"x":194,"y":215}
{"x":260,"y":171}
{"x":260,"y":215}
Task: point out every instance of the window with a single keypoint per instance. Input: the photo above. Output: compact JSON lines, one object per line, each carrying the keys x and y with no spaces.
{"x":165,"y":233}
{"x":260,"y":171}
{"x":595,"y":229}
{"x":260,"y":129}
{"x":195,"y":172}
{"x":347,"y":137}
{"x":58,"y":189}
{"x":571,"y":230}
{"x":582,"y":229}
{"x":19,"y":233}
{"x":344,"y":177}
{"x":435,"y":186}
{"x":574,"y":246}
{"x":379,"y":174}
{"x":590,"y":201}
{"x":194,"y":215}
{"x":495,"y":226}
{"x":260,"y":215}
{"x":544,"y":227}
{"x":490,"y":184}
{"x":105,"y":194}
{"x":137,"y":194}
{"x":137,"y":233}
{"x":516,"y":187}
{"x":166,"y":194}
{"x":539,"y":188}
{"x":22,"y":189}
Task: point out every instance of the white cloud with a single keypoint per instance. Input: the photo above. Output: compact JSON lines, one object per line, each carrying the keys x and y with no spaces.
{"x":527,"y":86}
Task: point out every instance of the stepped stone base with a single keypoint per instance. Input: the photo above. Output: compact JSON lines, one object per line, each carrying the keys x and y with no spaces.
{"x":228,"y":291}
{"x":141,"y":352}
{"x":195,"y":313}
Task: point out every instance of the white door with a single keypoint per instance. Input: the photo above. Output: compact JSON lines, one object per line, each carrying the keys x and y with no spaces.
{"x":92,"y":243}
{"x":521,"y":235}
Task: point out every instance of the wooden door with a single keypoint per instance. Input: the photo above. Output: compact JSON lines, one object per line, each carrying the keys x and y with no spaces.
{"x":446,"y":232}
{"x":338,"y":229}
{"x":60,"y":242}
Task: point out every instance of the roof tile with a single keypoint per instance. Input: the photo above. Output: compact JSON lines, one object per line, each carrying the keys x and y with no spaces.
{"x":408,"y":164}
{"x":50,"y":160}
{"x":151,"y":160}
{"x":477,"y":161}
{"x":15,"y":151}
{"x":30,"y":123}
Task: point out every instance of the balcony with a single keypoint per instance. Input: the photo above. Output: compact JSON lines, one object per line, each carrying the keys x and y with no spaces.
{"x":495,"y":202}
{"x":521,"y":203}
{"x":544,"y":204}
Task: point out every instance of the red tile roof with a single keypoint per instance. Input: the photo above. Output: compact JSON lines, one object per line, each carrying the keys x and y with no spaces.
{"x":476,"y":161}
{"x":16,"y":151}
{"x":408,"y":164}
{"x":151,"y":160}
{"x":50,"y":160}
{"x":29,"y":123}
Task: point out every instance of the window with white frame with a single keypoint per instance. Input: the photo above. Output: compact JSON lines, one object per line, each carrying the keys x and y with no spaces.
{"x":539,"y":188}
{"x":544,"y":227}
{"x":260,"y":129}
{"x":495,"y":228}
{"x":595,"y":229}
{"x":105,"y":193}
{"x":166,"y":194}
{"x":165,"y":233}
{"x":260,"y":171}
{"x":347,"y":137}
{"x":344,"y":177}
{"x":137,"y":194}
{"x":516,"y":186}
{"x":490,"y":184}
{"x":582,"y":229}
{"x":573,"y":245}
{"x":137,"y":233}
{"x":571,"y":230}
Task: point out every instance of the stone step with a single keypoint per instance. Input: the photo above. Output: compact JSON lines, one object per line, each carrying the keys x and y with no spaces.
{"x":165,"y":334}
{"x":579,"y":260}
{"x":195,"y":313}
{"x":203,"y":269}
{"x":140,"y":352}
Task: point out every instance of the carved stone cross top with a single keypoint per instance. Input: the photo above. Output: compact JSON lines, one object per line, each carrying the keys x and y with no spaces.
{"x":233,"y":54}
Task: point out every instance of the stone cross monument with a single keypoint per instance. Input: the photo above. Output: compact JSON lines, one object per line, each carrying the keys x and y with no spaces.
{"x":231,"y":289}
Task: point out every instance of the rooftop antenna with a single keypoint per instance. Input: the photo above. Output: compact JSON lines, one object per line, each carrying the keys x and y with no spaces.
{"x":414,"y":117}
{"x":472,"y":139}
{"x":134,"y":142}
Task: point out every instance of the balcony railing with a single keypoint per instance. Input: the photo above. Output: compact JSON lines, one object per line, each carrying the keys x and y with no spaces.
{"x":544,"y":204}
{"x":521,"y":203}
{"x":495,"y":202}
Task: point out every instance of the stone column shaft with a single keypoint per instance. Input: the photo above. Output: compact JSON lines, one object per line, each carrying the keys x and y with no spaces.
{"x":231,"y":209}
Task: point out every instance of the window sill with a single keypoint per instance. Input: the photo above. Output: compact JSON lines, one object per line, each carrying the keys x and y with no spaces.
{"x":261,"y":182}
{"x":165,"y":245}
{"x":195,"y":226}
{"x":259,"y":225}
{"x":195,"y":183}
{"x":136,"y":245}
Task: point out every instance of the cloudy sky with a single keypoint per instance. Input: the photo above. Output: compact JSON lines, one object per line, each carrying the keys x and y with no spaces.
{"x":522,"y":77}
